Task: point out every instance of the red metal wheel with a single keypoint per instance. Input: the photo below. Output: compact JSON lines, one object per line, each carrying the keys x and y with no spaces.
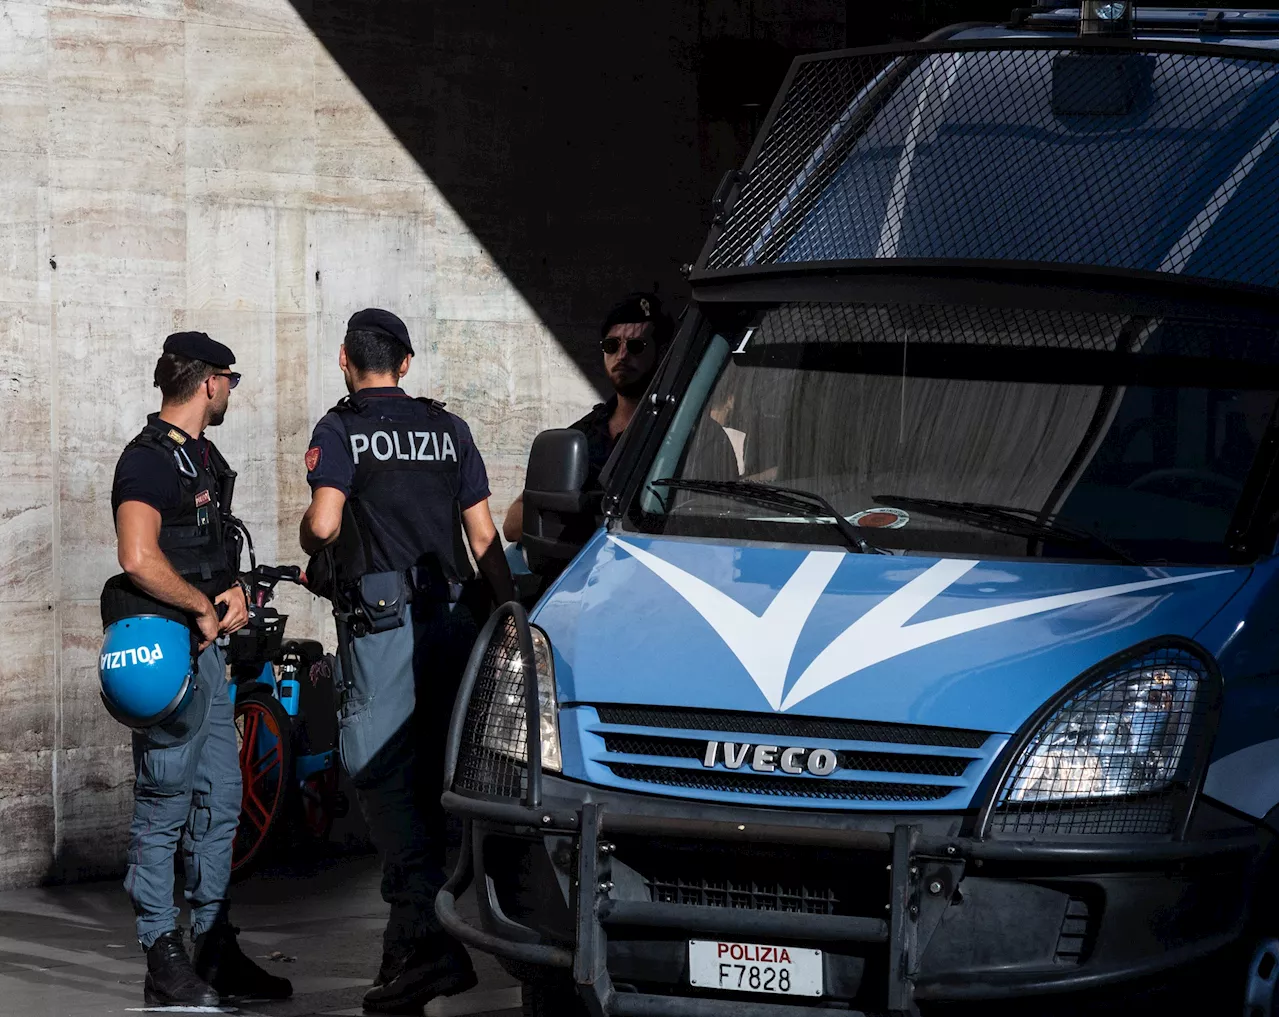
{"x":266,"y":767}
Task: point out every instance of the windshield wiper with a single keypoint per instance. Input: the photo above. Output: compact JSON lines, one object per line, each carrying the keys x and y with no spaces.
{"x":1016,"y":522}
{"x":786,"y":499}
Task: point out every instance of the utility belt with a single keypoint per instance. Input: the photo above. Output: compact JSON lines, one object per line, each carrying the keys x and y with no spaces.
{"x":121,"y":598}
{"x":378,"y":601}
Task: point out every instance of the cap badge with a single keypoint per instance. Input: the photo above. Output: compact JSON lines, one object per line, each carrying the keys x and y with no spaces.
{"x":644,"y":306}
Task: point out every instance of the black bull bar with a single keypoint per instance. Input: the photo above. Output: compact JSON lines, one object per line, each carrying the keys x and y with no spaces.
{"x":924,"y":869}
{"x":926,"y":860}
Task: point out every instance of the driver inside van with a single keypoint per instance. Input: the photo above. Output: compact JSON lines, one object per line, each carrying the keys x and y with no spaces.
{"x":633,"y":339}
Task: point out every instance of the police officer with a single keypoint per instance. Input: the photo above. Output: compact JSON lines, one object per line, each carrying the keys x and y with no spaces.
{"x":633,"y":336}
{"x":170,"y":497}
{"x":393,"y":481}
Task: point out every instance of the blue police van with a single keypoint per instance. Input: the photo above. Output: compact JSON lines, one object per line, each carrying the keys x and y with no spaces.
{"x":921,"y":646}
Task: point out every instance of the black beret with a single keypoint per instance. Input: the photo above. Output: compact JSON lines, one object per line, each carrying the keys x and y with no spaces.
{"x":635,"y":307}
{"x":198,"y":346}
{"x":375,"y":319}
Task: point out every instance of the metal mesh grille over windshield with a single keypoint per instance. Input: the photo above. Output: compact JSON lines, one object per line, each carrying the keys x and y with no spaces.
{"x":1104,"y":157}
{"x":920,"y":326}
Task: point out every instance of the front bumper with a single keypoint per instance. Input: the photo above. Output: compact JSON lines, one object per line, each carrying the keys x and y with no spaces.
{"x":924,"y":914}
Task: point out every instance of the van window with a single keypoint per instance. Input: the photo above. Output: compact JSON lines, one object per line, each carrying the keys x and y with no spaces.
{"x":1142,"y":431}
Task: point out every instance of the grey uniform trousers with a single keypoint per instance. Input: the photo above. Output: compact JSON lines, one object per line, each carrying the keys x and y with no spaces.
{"x":392,"y":731}
{"x":188,"y":793}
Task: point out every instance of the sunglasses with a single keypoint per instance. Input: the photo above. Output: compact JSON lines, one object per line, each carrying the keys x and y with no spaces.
{"x":233,"y":377}
{"x":610,"y":344}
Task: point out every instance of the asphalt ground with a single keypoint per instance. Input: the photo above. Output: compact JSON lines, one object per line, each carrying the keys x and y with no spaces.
{"x":70,"y":951}
{"x":316,"y":917}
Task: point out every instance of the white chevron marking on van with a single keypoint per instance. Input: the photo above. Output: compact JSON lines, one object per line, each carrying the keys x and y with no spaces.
{"x":765,"y":643}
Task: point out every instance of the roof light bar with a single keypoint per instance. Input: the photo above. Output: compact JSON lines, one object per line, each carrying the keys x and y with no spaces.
{"x":1106,"y":17}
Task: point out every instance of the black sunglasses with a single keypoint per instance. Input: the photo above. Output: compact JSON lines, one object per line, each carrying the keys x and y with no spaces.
{"x":609,"y":345}
{"x":233,"y":377}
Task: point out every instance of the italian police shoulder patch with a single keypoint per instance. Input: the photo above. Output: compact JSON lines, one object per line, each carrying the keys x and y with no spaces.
{"x":313,"y":457}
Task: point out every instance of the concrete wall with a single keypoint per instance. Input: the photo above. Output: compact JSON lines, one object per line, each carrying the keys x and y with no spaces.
{"x":210,"y":164}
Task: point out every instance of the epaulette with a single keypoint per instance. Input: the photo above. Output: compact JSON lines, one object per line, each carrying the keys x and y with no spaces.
{"x":170,"y":441}
{"x":166,"y":438}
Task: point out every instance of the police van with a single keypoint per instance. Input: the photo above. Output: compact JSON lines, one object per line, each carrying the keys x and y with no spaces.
{"x":921,"y":646}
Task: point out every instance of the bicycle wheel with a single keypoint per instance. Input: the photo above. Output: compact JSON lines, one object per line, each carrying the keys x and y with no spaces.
{"x":263,"y":735}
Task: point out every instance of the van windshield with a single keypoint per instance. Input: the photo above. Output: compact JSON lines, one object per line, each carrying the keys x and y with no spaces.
{"x":1000,"y":432}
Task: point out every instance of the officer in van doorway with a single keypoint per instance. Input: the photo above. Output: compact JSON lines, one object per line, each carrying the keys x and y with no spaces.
{"x":633,"y":337}
{"x":171,"y":498}
{"x":394,"y":479}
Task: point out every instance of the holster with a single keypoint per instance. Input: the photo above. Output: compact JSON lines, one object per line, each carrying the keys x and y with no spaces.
{"x":380,"y":599}
{"x":429,"y":583}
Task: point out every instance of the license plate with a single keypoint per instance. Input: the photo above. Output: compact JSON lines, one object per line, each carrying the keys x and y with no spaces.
{"x":755,"y":967}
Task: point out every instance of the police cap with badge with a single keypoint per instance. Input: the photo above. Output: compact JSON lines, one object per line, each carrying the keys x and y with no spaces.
{"x":639,"y":308}
{"x":198,"y":346}
{"x":148,"y":665}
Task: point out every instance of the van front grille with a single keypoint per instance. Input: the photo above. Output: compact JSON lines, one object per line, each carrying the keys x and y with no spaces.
{"x":750,"y":895}
{"x":787,"y":726}
{"x":771,"y":758}
{"x":784,"y":786}
{"x":886,"y":762}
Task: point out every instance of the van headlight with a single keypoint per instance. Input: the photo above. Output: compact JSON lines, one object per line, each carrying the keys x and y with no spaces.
{"x":494,"y":748}
{"x":504,"y":730}
{"x":1133,"y":739}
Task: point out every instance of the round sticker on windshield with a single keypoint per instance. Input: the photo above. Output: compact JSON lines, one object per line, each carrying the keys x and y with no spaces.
{"x":881,"y":518}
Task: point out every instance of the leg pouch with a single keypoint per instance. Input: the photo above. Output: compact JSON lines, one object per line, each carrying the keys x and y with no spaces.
{"x":378,"y":702}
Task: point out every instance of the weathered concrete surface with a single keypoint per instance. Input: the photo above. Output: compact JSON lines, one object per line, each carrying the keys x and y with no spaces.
{"x":258,"y":170}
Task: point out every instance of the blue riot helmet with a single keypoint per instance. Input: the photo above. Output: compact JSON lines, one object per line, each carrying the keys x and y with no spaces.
{"x":149,"y":677}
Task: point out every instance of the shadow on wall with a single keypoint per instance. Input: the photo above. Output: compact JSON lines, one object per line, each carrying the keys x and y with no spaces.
{"x":580,"y":142}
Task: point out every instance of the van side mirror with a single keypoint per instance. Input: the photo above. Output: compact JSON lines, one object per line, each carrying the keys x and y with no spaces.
{"x":559,"y":514}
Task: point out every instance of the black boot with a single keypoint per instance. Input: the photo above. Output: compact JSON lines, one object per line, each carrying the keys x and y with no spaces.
{"x":220,"y":961}
{"x":436,"y":966}
{"x":171,"y":981}
{"x":393,"y":958}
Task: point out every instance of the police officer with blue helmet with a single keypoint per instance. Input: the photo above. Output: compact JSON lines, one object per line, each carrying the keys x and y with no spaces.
{"x":164,"y":675}
{"x":395,"y":482}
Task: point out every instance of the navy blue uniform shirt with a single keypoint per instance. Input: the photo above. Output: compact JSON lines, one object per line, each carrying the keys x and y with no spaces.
{"x":709,"y":456}
{"x":329,"y":462}
{"x":148,"y":474}
{"x":600,"y":444}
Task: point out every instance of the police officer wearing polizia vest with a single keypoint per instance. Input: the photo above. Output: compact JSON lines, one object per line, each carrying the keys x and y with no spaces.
{"x":393,"y":479}
{"x":171,"y":497}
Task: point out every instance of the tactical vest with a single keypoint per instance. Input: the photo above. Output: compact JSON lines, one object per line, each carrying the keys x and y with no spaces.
{"x":402,"y":512}
{"x":195,"y":536}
